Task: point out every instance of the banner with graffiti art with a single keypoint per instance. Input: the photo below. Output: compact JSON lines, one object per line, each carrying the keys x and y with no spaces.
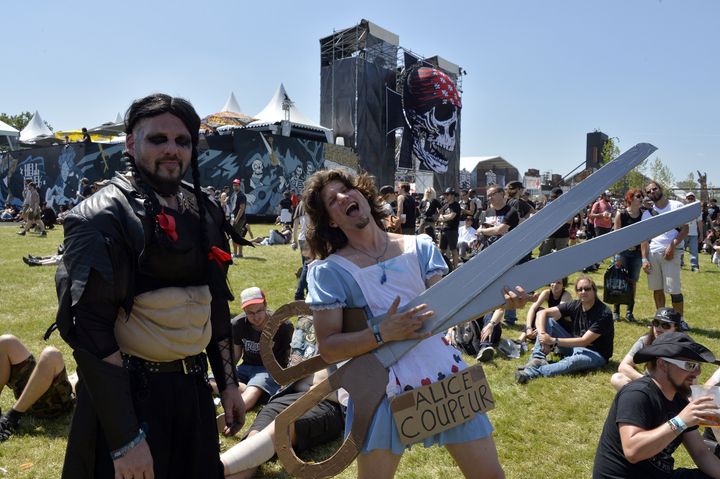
{"x":57,"y":170}
{"x":267,"y":165}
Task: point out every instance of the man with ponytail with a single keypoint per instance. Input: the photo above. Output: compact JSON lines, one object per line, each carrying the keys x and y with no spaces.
{"x":143,"y":302}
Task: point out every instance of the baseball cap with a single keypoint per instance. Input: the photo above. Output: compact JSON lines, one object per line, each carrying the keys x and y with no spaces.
{"x":669,"y":315}
{"x":386,"y":190}
{"x":236,"y":181}
{"x":675,"y":345}
{"x":689,"y":194}
{"x":515,"y":184}
{"x":252,"y":295}
{"x":450,"y":191}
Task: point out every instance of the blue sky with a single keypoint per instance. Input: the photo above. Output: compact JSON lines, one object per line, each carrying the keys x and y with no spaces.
{"x":541,"y":74}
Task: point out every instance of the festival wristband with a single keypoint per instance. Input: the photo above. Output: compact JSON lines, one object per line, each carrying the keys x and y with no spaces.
{"x":677,"y":424}
{"x":376,"y":333}
{"x":645,"y":261}
{"x":118,"y":453}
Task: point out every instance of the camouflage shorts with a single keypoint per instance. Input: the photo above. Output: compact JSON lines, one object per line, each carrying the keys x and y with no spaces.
{"x":57,"y":400}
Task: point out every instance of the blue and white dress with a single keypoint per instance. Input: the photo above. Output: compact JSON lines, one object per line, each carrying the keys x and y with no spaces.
{"x":336,"y":282}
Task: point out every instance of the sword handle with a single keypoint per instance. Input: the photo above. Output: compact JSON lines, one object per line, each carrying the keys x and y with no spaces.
{"x":363,"y":377}
{"x":354,"y":319}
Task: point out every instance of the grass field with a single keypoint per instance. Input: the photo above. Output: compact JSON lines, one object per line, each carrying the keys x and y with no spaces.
{"x":548,"y":428}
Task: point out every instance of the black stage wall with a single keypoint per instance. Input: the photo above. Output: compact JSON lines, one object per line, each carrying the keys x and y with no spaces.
{"x":354,"y":90}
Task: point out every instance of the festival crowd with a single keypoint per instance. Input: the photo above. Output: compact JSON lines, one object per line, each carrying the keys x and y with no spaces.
{"x":144,"y":304}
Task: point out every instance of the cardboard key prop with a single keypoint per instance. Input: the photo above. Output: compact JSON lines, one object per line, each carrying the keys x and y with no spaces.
{"x":463,"y":295}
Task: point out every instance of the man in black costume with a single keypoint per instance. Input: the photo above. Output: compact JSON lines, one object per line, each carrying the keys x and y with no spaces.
{"x":142,"y":293}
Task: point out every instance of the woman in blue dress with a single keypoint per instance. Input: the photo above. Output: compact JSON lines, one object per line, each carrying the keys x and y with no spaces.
{"x":361,"y":265}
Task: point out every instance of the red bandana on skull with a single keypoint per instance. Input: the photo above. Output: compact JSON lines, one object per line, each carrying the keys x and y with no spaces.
{"x":428,"y":87}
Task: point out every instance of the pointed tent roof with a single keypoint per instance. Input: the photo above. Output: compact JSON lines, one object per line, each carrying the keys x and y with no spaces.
{"x":231,"y":104}
{"x":274,"y":113}
{"x":7,"y":130}
{"x":35,"y":129}
{"x":119,"y":118}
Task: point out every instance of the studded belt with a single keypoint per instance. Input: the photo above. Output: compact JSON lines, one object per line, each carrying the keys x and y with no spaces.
{"x":191,"y":365}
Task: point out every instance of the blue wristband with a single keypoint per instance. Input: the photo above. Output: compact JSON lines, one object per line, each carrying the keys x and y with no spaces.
{"x":677,"y":424}
{"x":118,"y":453}
{"x":376,"y":333}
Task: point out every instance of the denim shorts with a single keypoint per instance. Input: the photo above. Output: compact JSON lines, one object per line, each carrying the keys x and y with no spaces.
{"x":257,"y":376}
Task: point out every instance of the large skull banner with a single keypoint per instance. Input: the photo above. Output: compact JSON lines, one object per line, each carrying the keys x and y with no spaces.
{"x":431,"y":103}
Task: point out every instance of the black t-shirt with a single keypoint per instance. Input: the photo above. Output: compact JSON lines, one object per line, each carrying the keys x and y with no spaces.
{"x":523,"y":207}
{"x":506,"y":215}
{"x":597,"y":319}
{"x":245,"y":335}
{"x":454,"y":223}
{"x":642,"y":404}
{"x":429,"y":209}
{"x":409,"y":210}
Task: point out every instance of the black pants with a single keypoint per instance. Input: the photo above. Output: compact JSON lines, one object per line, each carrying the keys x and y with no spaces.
{"x":178,"y":416}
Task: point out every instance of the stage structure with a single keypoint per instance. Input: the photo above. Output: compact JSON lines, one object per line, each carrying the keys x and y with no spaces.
{"x":400,"y":112}
{"x":266,"y":164}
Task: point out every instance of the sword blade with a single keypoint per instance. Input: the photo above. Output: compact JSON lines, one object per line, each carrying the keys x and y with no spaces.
{"x":454,"y":291}
{"x":540,"y":272}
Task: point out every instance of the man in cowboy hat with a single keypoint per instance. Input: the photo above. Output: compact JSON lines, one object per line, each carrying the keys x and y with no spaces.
{"x":651,"y":416}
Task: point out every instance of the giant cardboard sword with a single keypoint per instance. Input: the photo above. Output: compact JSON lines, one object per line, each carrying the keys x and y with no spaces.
{"x":463,"y":295}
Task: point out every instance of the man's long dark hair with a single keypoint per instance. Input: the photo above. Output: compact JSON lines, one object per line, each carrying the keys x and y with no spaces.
{"x":322,"y":238}
{"x":155,"y":105}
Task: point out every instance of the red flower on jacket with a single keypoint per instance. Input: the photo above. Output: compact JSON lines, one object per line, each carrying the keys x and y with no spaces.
{"x":166,"y":222}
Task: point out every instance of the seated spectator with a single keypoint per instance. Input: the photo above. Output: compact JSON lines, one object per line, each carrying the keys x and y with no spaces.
{"x":41,"y":387}
{"x":666,"y":320}
{"x":276,"y":237}
{"x":255,"y":381}
{"x":589,"y":343}
{"x":553,"y":296}
{"x":48,"y":216}
{"x":9,"y":213}
{"x":467,"y":237}
{"x":638,"y":440}
{"x":321,"y":424}
{"x":64,"y":211}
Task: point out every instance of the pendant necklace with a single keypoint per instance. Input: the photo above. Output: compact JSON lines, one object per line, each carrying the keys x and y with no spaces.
{"x":383,"y":277}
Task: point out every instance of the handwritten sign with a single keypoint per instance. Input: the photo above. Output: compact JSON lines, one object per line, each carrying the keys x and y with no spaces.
{"x":440,"y":406}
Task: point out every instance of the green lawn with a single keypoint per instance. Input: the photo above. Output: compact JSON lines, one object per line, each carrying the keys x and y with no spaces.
{"x":548,"y":428}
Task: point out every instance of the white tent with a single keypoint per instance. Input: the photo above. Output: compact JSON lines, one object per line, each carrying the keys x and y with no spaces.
{"x":7,"y":130}
{"x":8,"y":135}
{"x":231,"y":104}
{"x":35,"y":130}
{"x":274,"y":112}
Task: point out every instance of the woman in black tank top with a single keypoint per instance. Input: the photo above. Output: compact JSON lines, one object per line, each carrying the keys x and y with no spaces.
{"x":554,"y":295}
{"x":630,"y":258}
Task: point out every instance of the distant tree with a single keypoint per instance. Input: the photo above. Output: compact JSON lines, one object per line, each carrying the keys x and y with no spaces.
{"x":17,"y":121}
{"x":21,"y":120}
{"x":689,"y":184}
{"x":634,"y":179}
{"x":659,"y":172}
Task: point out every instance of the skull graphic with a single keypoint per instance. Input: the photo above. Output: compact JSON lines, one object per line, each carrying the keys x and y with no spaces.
{"x":431,"y":103}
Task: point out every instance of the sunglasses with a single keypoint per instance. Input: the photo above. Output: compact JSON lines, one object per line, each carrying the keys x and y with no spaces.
{"x":639,"y":196}
{"x":689,"y":366}
{"x":583,"y":288}
{"x":662,"y":324}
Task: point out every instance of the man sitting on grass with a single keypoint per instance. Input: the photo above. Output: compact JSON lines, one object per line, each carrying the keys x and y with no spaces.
{"x":41,"y":387}
{"x":255,"y":381}
{"x":651,"y":416}
{"x":589,"y":344}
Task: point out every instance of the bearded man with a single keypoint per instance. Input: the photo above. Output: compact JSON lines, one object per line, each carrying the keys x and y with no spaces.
{"x":142,"y":294}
